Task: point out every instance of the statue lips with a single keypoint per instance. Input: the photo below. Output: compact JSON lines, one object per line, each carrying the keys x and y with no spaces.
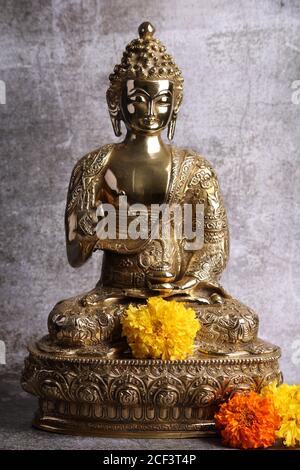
{"x":150,"y":122}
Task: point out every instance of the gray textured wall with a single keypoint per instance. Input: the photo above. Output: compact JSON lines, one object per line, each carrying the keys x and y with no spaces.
{"x":239,"y":60}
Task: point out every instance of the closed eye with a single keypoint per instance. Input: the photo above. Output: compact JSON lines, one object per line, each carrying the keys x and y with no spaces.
{"x":137,"y":99}
{"x":162,"y":100}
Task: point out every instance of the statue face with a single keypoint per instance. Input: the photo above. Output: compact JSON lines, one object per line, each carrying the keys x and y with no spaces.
{"x":147,"y":105}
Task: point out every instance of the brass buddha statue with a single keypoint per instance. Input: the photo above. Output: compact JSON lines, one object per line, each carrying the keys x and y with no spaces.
{"x":83,"y":371}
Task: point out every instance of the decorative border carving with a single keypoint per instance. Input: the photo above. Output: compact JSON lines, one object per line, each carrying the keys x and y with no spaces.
{"x":130,"y":395}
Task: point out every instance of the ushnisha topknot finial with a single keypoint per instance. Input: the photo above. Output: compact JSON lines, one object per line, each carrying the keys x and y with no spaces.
{"x":146,"y":30}
{"x":145,"y":58}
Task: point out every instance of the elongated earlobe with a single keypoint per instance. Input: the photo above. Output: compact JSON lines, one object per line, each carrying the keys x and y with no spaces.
{"x":172,"y":127}
{"x":172,"y":123}
{"x":114,"y":110}
{"x":116,"y":123}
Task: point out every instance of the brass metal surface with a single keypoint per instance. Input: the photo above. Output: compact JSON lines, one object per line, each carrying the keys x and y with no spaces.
{"x":83,"y":371}
{"x":91,"y":395}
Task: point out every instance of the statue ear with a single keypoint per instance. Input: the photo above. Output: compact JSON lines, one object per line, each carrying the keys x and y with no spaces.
{"x":114,"y":111}
{"x":172,"y":123}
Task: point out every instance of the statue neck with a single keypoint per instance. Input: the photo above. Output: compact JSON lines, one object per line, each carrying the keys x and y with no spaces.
{"x":148,"y":146}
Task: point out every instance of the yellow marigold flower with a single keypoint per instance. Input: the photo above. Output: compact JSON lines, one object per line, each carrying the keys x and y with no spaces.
{"x":281,"y":395}
{"x":160,"y":329}
{"x":290,"y":426}
{"x":286,"y":399}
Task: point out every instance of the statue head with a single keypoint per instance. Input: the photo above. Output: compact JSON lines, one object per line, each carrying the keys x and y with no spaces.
{"x":146,"y":88}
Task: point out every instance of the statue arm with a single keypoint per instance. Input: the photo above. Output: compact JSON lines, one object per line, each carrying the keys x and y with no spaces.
{"x":80,"y":214}
{"x":207,"y":263}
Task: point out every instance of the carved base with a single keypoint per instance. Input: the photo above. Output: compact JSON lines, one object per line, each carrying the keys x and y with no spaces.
{"x":90,"y":395}
{"x":87,"y":427}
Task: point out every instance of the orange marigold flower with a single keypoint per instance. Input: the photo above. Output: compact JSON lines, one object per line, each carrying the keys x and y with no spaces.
{"x":248,"y":421}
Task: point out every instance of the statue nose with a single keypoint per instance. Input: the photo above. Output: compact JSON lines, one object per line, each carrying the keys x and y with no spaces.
{"x":151,"y":109}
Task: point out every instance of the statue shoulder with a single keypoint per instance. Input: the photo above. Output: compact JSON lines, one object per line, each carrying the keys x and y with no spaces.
{"x":199,"y":164}
{"x":87,"y":170}
{"x":90,"y":164}
{"x":199,"y":159}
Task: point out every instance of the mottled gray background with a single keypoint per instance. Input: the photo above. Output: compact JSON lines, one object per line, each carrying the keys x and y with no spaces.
{"x":239,"y":60}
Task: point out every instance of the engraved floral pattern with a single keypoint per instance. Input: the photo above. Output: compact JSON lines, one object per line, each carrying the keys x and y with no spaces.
{"x":135,"y":395}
